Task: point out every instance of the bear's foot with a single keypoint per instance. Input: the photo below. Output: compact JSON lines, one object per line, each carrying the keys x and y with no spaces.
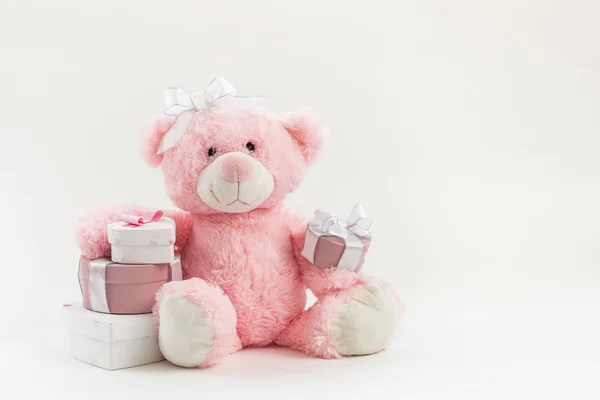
{"x":359,"y":321}
{"x":366,"y":324}
{"x":197,"y":323}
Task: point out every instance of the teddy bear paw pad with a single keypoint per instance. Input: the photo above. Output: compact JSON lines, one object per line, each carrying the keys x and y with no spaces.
{"x":186,"y":331}
{"x":367,"y":323}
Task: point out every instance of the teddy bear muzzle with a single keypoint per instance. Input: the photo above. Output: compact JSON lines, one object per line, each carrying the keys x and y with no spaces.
{"x":235,"y":182}
{"x":237,"y":168}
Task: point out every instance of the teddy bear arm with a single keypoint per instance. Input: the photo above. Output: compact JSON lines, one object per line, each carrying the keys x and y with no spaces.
{"x":183,"y":230}
{"x":319,"y":280}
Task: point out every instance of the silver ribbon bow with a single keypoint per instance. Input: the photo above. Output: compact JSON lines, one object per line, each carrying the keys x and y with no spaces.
{"x":351,"y":229}
{"x":181,"y":105}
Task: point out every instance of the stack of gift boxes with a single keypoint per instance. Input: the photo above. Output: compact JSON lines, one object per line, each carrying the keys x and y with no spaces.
{"x":113,"y":327}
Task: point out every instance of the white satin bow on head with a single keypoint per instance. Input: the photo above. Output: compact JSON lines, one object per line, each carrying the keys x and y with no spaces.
{"x":177,"y":101}
{"x":181,"y":105}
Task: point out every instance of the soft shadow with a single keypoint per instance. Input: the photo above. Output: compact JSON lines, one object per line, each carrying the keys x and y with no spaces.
{"x":251,"y":362}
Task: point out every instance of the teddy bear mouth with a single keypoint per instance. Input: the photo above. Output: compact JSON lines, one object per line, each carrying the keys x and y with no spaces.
{"x":237,"y":200}
{"x":228,"y":204}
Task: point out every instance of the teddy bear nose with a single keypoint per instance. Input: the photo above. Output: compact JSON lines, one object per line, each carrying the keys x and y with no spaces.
{"x":236,"y":168}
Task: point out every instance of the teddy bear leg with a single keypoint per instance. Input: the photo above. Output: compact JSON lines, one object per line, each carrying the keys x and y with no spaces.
{"x":357,"y":321}
{"x":197,"y":323}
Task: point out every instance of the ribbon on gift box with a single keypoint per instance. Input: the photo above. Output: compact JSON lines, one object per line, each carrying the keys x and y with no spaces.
{"x":351,"y":229}
{"x":143,"y":218}
{"x":97,"y":284}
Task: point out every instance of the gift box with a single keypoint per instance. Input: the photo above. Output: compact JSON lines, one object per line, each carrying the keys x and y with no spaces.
{"x":113,"y":288}
{"x":145,"y":239}
{"x":332,"y":242}
{"x":112,"y":341}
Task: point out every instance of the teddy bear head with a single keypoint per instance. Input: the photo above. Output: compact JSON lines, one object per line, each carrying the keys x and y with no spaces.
{"x":234,"y":160}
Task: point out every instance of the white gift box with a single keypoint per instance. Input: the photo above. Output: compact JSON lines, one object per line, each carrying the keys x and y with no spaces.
{"x":149,"y":243}
{"x":112,"y":341}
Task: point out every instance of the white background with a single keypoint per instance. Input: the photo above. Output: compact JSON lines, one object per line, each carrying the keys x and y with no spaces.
{"x":469,"y":130}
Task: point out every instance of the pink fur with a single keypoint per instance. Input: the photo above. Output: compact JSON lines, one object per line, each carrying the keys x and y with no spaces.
{"x":252,"y":260}
{"x":229,"y":131}
{"x":152,"y":139}
{"x":219,"y":309}
{"x":248,"y":262}
{"x":306,"y":132}
{"x":311,"y":333}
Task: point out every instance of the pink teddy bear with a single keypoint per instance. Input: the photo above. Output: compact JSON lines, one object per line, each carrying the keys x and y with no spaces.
{"x":245,"y":280}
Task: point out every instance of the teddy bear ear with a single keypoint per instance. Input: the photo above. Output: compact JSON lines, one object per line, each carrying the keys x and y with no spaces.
{"x":152,"y":138}
{"x":306,"y":131}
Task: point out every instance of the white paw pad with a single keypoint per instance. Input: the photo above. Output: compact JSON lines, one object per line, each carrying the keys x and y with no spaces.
{"x":185,"y":333}
{"x":366,"y":324}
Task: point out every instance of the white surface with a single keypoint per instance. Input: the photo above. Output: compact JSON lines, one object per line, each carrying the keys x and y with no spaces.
{"x":459,"y":348}
{"x":469,"y":129}
{"x":112,"y":341}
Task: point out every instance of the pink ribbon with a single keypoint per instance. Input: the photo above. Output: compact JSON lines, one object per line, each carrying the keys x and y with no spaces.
{"x":144,"y":218}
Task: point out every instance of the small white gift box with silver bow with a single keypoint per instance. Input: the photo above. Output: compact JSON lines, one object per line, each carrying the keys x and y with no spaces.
{"x":332,"y":242}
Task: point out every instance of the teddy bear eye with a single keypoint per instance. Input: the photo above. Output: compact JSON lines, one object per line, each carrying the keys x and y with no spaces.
{"x":212,"y":151}
{"x":250,"y":146}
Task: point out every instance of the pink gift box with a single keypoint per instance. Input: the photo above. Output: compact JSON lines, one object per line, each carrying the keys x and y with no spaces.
{"x":329,"y":250}
{"x":332,"y":242}
{"x":123,"y":288}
